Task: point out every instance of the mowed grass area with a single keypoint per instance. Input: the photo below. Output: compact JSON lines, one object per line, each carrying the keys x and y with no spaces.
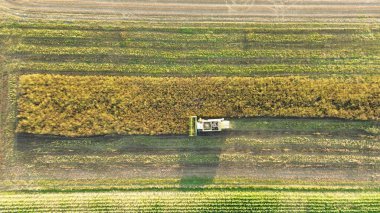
{"x":188,"y":49}
{"x":271,"y":165}
{"x":206,"y":157}
{"x":256,"y":150}
{"x":265,"y":201}
{"x":225,"y":153}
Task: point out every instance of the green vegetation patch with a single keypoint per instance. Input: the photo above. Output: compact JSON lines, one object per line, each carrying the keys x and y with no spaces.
{"x":265,"y":201}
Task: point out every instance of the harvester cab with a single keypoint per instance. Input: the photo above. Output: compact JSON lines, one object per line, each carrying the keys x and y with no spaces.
{"x":207,"y":125}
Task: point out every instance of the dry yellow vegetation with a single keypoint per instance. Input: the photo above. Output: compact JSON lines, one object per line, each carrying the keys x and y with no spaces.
{"x":96,"y":105}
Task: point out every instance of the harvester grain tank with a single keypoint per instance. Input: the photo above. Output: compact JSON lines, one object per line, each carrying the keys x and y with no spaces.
{"x":207,"y":125}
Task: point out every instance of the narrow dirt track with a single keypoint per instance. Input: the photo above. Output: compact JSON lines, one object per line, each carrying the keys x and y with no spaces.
{"x":196,"y":10}
{"x":3,"y":107}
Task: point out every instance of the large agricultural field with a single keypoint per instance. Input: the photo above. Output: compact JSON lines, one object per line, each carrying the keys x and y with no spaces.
{"x":96,"y":97}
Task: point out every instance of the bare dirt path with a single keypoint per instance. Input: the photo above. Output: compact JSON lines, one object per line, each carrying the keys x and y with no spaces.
{"x":3,"y":107}
{"x":195,"y":10}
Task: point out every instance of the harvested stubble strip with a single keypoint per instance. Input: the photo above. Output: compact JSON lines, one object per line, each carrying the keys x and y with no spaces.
{"x":95,"y":105}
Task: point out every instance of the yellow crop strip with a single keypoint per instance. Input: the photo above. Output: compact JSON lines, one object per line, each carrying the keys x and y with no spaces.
{"x":95,"y":105}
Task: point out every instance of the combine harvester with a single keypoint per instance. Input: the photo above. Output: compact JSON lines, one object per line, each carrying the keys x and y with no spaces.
{"x":207,"y":125}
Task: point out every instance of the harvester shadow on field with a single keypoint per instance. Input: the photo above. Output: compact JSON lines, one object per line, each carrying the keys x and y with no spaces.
{"x":200,"y":160}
